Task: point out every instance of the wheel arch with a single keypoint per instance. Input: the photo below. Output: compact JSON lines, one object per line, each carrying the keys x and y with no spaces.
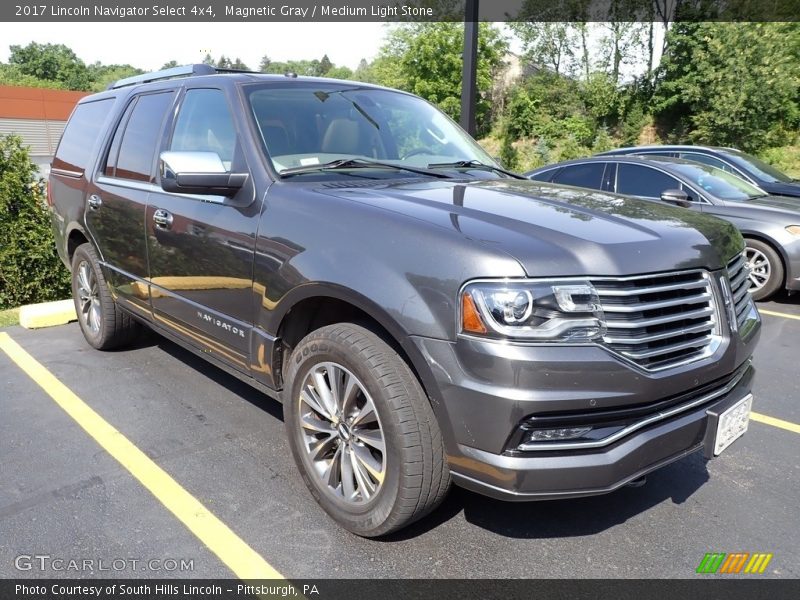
{"x":312,"y":306}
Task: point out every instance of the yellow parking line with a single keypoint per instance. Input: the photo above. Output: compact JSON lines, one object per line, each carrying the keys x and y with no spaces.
{"x":772,"y":313}
{"x":787,"y":425}
{"x":245,"y":562}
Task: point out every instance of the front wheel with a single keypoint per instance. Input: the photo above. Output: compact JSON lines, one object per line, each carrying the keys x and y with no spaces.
{"x":362,"y":431}
{"x":766,"y":269}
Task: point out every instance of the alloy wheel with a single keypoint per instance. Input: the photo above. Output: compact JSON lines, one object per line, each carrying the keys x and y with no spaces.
{"x":759,"y":267}
{"x":88,"y":297}
{"x":342,"y":433}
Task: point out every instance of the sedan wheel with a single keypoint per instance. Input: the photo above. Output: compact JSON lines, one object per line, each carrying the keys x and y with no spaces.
{"x":766,"y":269}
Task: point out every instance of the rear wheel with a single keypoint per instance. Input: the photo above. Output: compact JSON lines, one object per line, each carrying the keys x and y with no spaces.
{"x":766,"y":269}
{"x":362,"y":431}
{"x":103,"y":325}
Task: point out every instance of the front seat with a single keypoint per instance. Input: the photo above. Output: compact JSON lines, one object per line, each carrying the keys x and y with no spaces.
{"x":343,"y":137}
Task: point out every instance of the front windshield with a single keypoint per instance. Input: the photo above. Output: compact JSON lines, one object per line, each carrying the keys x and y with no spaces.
{"x":310,"y":123}
{"x":717,"y":182}
{"x":758,"y":168}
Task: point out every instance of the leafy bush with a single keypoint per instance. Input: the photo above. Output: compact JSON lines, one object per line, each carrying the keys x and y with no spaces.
{"x":30,"y":270}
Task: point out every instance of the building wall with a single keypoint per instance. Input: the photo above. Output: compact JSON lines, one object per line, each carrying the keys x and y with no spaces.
{"x":37,"y":115}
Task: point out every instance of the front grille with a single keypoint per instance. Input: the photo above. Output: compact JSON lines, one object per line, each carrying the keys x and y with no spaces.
{"x":660,"y":321}
{"x":738,"y":275}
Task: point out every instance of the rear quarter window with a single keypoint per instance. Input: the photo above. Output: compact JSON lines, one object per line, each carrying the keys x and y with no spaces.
{"x":79,"y":137}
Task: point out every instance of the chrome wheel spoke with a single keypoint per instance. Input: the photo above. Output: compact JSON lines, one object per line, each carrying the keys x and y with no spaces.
{"x":312,"y":423}
{"x":371,"y":437}
{"x":365,"y":415}
{"x":309,"y":396}
{"x":324,"y":392}
{"x":333,"y":474}
{"x":367,"y":463}
{"x":365,"y":487}
{"x":322,"y":447}
{"x":346,"y":469}
{"x":349,"y":393}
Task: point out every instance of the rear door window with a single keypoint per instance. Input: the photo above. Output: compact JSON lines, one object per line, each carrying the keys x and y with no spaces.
{"x":80,"y":135}
{"x":587,"y":175}
{"x":139,"y":140}
{"x":645,"y":182}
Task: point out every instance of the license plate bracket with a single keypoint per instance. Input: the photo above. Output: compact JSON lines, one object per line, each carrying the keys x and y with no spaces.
{"x":728,"y":426}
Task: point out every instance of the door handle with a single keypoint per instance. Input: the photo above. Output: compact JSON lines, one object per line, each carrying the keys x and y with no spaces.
{"x":95,"y":202}
{"x":162,"y":218}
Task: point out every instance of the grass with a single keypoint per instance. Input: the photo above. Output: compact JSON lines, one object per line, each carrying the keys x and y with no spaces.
{"x":9,"y":317}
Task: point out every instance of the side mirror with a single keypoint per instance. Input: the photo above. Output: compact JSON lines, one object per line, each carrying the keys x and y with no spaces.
{"x":677,"y":197}
{"x":198,"y":173}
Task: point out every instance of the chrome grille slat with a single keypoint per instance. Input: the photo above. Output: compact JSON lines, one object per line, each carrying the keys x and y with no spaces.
{"x":698,"y":343}
{"x":656,"y":336}
{"x":655,"y":289}
{"x":660,"y":321}
{"x":630,"y":324}
{"x":738,"y":276}
{"x":658,"y":304}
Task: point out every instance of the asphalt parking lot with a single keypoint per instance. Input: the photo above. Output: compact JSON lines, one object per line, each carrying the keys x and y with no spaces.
{"x":228,"y":501}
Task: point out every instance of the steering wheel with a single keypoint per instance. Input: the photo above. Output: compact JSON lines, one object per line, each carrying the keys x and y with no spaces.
{"x":416,"y":151}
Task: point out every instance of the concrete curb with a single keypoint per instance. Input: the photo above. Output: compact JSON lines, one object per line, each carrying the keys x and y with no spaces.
{"x":47,"y":314}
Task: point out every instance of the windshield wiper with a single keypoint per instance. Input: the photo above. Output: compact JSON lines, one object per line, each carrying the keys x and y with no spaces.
{"x":473,"y":164}
{"x":358,"y":163}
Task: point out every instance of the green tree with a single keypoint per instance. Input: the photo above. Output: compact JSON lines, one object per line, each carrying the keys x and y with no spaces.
{"x":170,"y":64}
{"x":325,"y":65}
{"x":730,"y":84}
{"x":101,"y":75}
{"x":30,"y":270}
{"x":426,"y":59}
{"x":54,"y":63}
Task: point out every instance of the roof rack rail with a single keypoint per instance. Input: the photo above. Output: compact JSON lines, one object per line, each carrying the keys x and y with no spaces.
{"x":182,"y":71}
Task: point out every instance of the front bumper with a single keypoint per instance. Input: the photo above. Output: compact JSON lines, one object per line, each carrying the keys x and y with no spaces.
{"x":485,"y":390}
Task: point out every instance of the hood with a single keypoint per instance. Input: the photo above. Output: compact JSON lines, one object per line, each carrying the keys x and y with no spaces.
{"x":560,"y":231}
{"x":781,"y":188}
{"x":783,"y":205}
{"x":771,"y":210}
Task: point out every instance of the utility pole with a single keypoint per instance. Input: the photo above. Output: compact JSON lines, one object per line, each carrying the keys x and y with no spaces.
{"x":469,"y":72}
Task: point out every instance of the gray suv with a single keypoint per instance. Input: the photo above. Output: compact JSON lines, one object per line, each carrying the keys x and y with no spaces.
{"x":423,"y":315}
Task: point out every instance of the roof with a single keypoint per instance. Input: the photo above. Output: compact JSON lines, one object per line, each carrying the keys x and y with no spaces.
{"x":17,"y":102}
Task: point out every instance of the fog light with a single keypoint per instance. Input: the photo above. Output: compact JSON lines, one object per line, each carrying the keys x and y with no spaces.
{"x":553,"y":435}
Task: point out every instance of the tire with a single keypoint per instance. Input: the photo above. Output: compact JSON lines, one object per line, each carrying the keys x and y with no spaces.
{"x":767,"y":273}
{"x":372,"y":492}
{"x":103,"y":325}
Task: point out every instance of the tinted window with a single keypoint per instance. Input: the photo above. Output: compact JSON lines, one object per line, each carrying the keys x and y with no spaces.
{"x":138,"y":147}
{"x":544,"y":175}
{"x":588,"y":175}
{"x":80,"y":134}
{"x":113,"y":152}
{"x":636,"y":180}
{"x":205,"y":125}
{"x":706,"y":160}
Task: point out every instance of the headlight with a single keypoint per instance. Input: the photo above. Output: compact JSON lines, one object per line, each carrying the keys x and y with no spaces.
{"x":793,"y":229}
{"x":533,"y":310}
